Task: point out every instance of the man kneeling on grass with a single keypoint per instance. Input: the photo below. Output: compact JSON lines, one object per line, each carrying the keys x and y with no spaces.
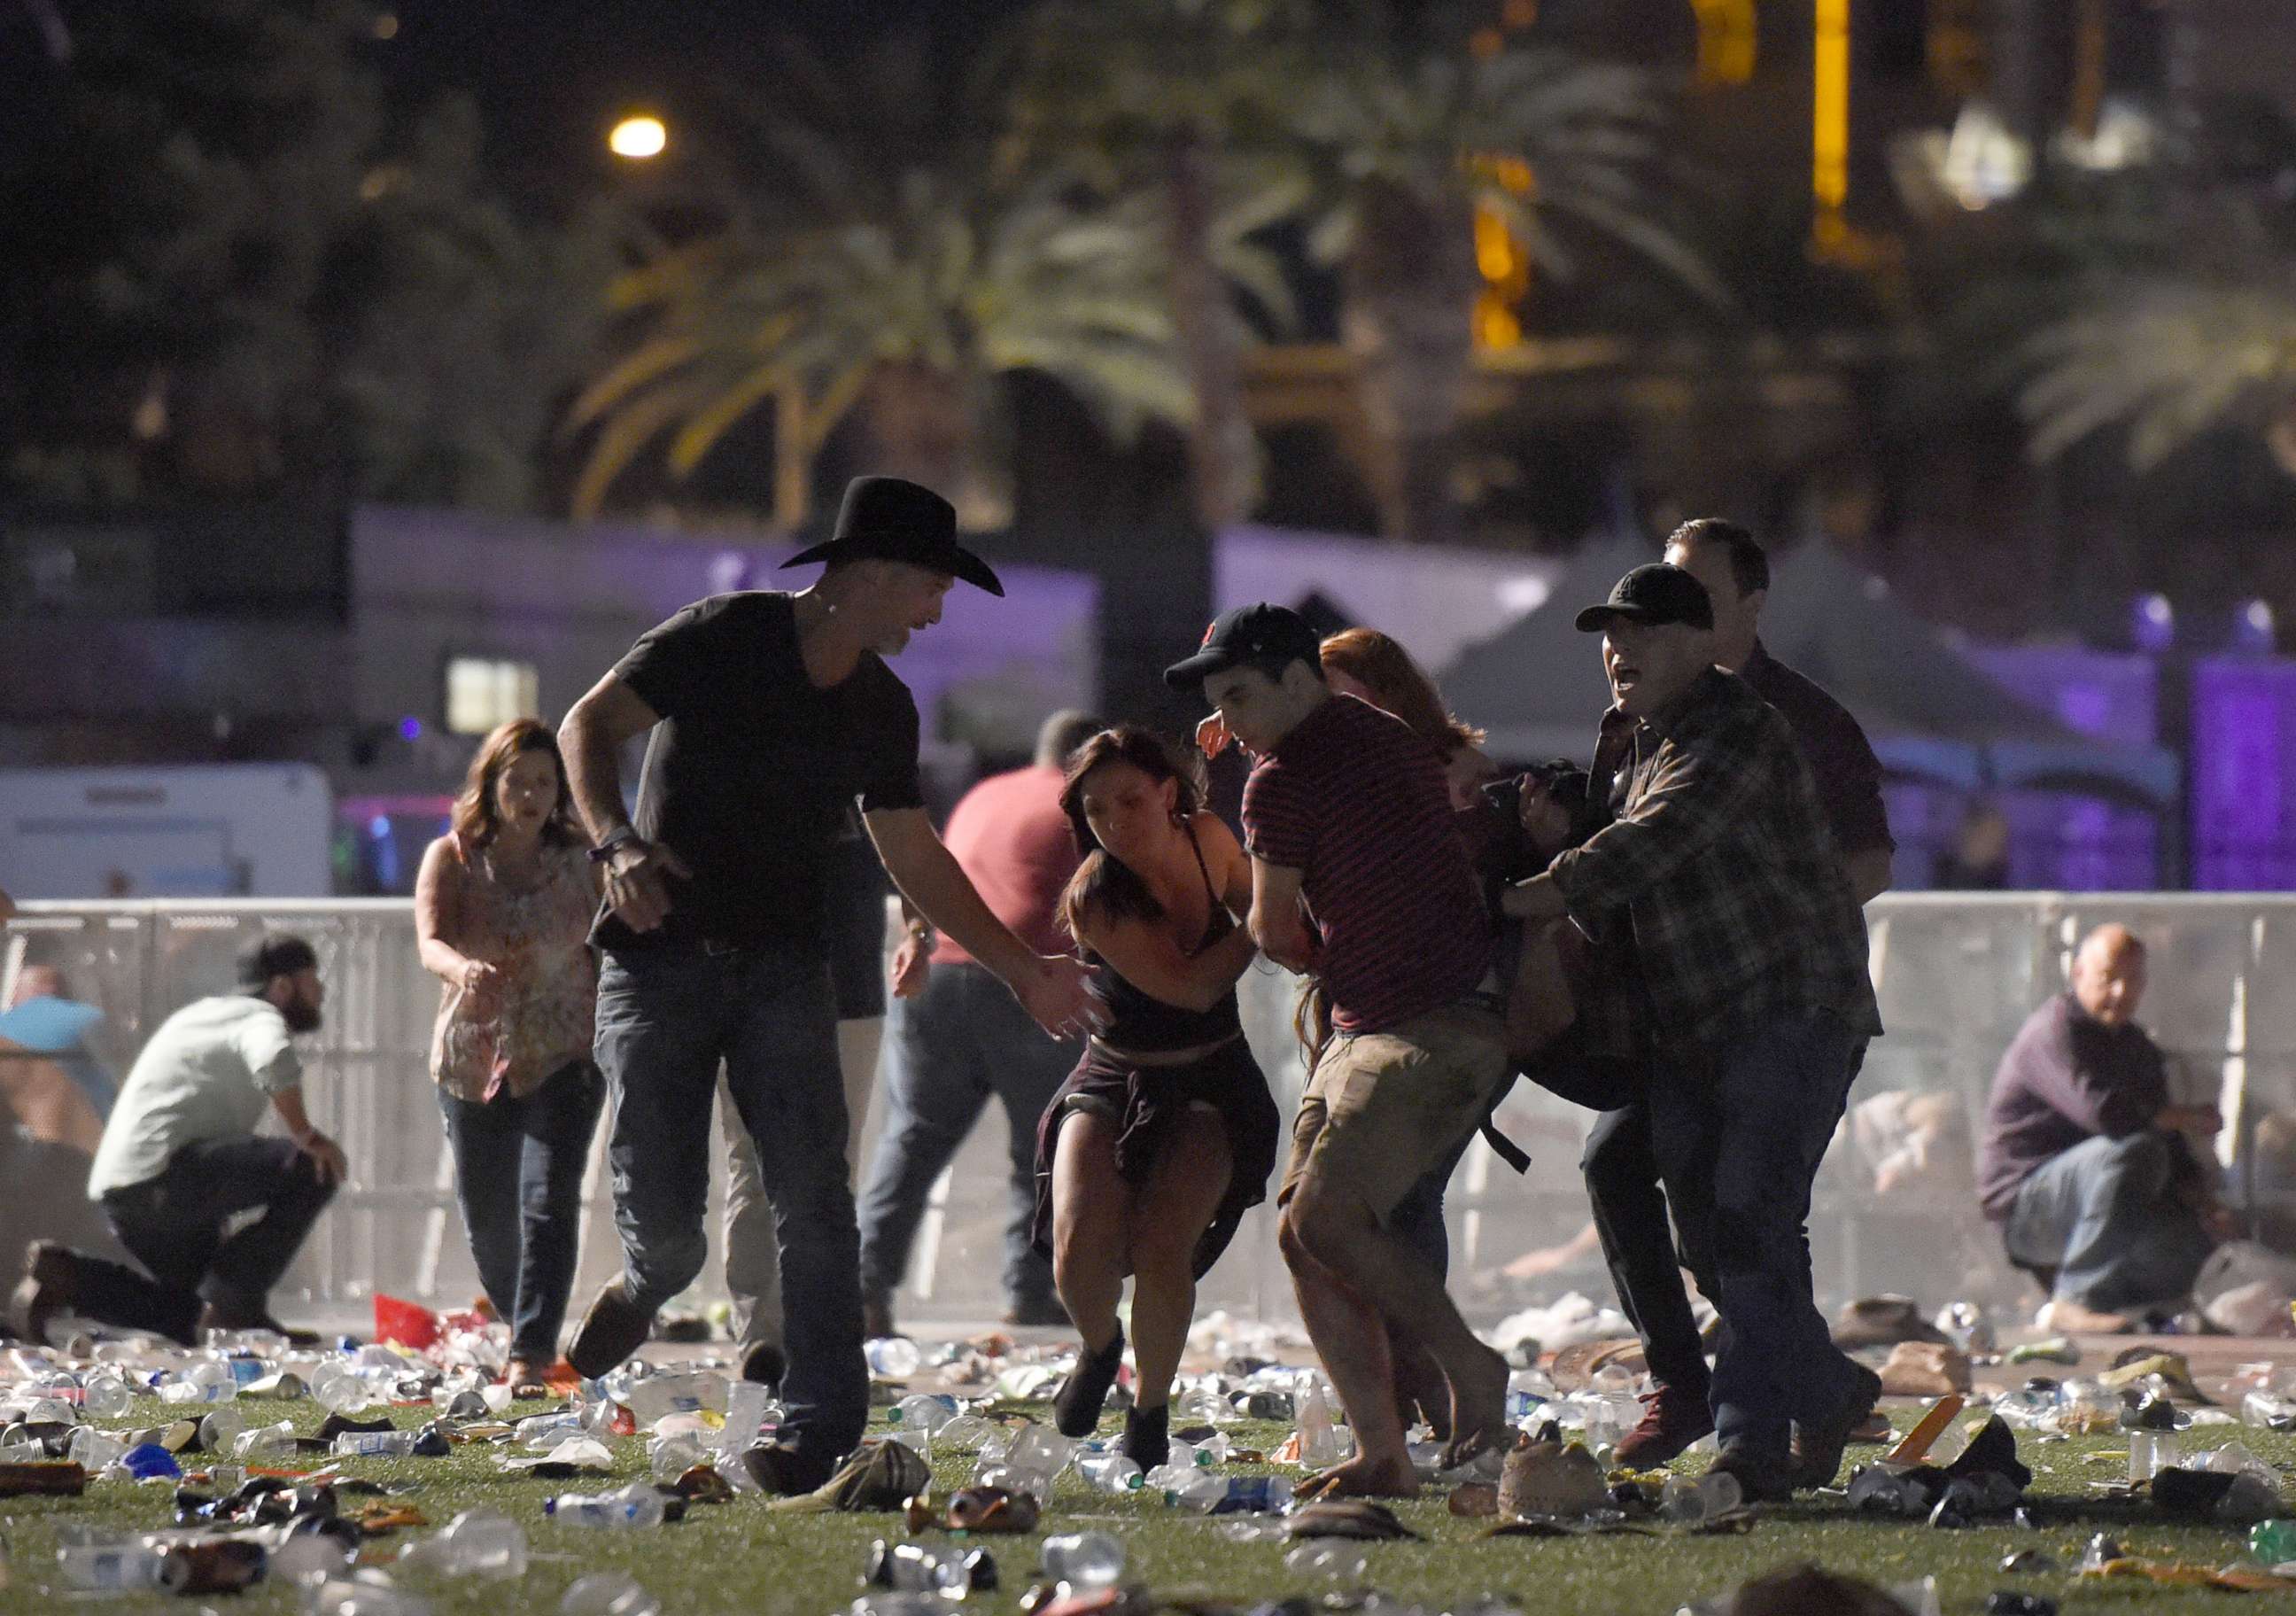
{"x":1359,"y":876}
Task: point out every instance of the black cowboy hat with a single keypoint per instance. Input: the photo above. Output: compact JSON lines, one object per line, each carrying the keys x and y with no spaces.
{"x":892,"y":519}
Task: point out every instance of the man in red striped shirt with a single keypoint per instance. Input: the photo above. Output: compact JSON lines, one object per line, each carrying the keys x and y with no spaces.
{"x":1359,"y":877}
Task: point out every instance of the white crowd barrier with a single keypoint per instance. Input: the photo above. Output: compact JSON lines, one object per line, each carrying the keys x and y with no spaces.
{"x":1957,"y":974}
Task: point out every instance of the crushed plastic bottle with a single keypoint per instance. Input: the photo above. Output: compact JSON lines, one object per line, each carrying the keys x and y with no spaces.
{"x":1084,"y":1559}
{"x":2150,"y":1452}
{"x":893,"y":1357}
{"x":1111,"y":1472}
{"x":264,"y":1440}
{"x":1693,"y":1502}
{"x":481,"y":1543}
{"x":965,"y":1433}
{"x":609,"y":1594}
{"x":2268,"y":1410}
{"x":1210,"y":1493}
{"x":112,"y":1567}
{"x":1319,"y":1446}
{"x":633,"y":1507}
{"x":923,"y":1414}
{"x":374,"y":1444}
{"x":670,"y":1456}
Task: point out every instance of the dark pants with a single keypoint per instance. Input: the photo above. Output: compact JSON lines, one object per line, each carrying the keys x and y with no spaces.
{"x":667,"y":1016}
{"x":1623,"y":1187}
{"x":962,"y":1040}
{"x":174,"y":1225}
{"x":518,"y":1173}
{"x":1739,"y":1141}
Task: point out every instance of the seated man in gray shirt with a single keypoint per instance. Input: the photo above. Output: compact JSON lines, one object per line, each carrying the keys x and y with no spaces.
{"x":181,"y":1158}
{"x":2084,"y":1163}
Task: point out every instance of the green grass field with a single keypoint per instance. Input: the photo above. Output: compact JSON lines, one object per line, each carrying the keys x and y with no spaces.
{"x":740,"y":1558}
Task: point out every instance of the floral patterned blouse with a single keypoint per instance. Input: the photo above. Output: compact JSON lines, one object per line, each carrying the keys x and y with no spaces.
{"x":540,"y":1019}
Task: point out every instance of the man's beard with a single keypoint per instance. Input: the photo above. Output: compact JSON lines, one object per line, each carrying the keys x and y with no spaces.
{"x":301,"y":1015}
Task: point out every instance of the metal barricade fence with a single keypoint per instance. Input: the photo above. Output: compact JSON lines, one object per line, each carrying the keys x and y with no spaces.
{"x":1957,"y":975}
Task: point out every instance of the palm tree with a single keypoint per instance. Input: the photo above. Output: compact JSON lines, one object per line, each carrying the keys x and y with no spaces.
{"x":909,"y":268}
{"x":1184,"y":99}
{"x":2167,"y":357}
{"x":1414,"y":134}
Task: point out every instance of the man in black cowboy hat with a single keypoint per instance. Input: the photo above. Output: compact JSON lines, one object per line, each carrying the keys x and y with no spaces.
{"x":771,"y":715}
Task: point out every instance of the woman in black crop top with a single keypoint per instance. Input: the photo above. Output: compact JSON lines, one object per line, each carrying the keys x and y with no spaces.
{"x":1165,"y":1133}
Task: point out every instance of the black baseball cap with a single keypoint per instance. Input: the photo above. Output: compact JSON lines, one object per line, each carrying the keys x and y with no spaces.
{"x":1653,"y":596}
{"x":1264,"y":636}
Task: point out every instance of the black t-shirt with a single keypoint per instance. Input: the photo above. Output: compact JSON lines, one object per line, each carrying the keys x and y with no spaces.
{"x":750,"y":774}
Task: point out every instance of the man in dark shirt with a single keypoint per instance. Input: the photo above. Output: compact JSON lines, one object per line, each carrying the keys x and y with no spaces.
{"x":1748,"y":990}
{"x":1620,"y":1166}
{"x":1359,"y":875}
{"x":2083,"y":1164}
{"x":770,"y":713}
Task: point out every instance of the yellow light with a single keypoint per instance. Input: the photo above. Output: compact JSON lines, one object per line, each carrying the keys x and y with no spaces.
{"x":638,"y":138}
{"x":1725,"y":40}
{"x":1830,"y":117}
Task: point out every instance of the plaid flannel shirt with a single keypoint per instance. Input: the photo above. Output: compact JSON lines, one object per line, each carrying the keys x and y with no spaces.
{"x":1719,"y":876}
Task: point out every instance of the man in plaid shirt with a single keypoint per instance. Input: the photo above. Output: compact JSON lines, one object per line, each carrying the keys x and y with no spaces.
{"x":1747,"y":990}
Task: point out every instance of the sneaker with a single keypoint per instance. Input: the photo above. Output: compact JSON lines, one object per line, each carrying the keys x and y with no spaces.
{"x":1817,"y":1450}
{"x":1673,"y":1418}
{"x":613,"y":1328}
{"x":784,"y":1470}
{"x":1037,"y":1312}
{"x":765,"y":1363}
{"x":1763,"y":1477}
{"x":50,"y":1287}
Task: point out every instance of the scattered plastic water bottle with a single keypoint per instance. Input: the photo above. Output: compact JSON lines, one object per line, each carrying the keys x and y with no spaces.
{"x":374,"y":1444}
{"x":1319,"y":1447}
{"x":924,"y":1414}
{"x":1694,"y":1502}
{"x":482,"y":1542}
{"x":2150,"y":1452}
{"x":543,"y":1432}
{"x":112,"y":1567}
{"x":672,"y":1456}
{"x":893,"y":1357}
{"x":966,"y":1432}
{"x":633,"y":1506}
{"x":1084,"y":1559}
{"x":609,"y":1594}
{"x":264,"y":1440}
{"x":746,"y":1402}
{"x":1111,"y":1472}
{"x":1210,"y":1493}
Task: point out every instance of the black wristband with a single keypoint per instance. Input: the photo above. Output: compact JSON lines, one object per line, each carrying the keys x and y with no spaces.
{"x":613,"y":844}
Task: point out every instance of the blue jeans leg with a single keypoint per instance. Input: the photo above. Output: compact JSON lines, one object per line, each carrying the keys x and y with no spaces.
{"x":2104,"y":1214}
{"x":1630,"y":1208}
{"x":783,"y":1075}
{"x":1754,"y":1128}
{"x":556,"y":1126}
{"x":664,"y":1014}
{"x":935,"y":1087}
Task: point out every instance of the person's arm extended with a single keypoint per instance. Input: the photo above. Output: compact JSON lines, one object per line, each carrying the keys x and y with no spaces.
{"x":1050,"y":987}
{"x":1276,"y":924}
{"x":435,"y":921}
{"x":289,"y":1104}
{"x":1144,"y":954}
{"x":1698,"y":794}
{"x":591,"y":740}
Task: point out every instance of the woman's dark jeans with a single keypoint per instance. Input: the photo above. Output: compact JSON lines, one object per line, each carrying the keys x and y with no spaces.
{"x":518,"y":1172}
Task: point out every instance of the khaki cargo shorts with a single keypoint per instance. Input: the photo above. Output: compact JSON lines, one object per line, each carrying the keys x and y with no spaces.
{"x":1382,"y":1107}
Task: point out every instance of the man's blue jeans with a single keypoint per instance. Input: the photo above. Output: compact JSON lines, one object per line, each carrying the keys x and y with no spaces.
{"x":1739,"y":1141}
{"x":2105,"y":1215}
{"x":962,"y":1039}
{"x":667,"y":1016}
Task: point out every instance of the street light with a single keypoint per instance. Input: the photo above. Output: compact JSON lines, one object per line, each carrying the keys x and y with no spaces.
{"x":638,"y":138}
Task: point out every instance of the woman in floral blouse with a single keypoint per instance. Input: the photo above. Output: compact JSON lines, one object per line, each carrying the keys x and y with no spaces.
{"x":503,"y":912}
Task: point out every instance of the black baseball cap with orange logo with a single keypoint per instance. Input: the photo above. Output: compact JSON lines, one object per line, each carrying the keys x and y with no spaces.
{"x":1261,"y":635}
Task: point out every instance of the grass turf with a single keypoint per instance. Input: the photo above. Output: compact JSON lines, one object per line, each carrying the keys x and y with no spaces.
{"x":741,"y":1558}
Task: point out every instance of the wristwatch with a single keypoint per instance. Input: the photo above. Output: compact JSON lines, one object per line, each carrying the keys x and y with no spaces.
{"x":614,"y":843}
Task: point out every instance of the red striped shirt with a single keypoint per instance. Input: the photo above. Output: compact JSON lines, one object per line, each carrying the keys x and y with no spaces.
{"x":1356,"y":803}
